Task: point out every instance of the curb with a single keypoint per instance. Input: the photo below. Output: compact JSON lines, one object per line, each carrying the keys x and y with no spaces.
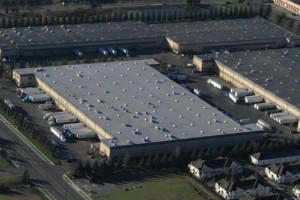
{"x":76,"y":188}
{"x":25,"y":140}
{"x":45,"y":193}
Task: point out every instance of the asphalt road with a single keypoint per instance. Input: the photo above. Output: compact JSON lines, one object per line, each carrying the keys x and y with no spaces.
{"x":48,"y":176}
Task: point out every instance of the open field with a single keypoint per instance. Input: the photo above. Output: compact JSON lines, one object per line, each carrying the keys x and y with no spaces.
{"x":175,"y":188}
{"x":10,"y":179}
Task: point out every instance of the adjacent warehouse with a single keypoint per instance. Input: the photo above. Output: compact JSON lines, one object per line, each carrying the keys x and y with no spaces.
{"x":255,"y":33}
{"x":135,"y":109}
{"x":291,"y":5}
{"x":271,"y":74}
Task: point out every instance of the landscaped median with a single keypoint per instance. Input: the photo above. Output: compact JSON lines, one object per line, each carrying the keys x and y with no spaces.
{"x":44,"y":154}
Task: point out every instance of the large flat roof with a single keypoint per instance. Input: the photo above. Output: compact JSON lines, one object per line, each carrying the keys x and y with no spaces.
{"x":276,"y":70}
{"x":182,"y":33}
{"x":136,"y":104}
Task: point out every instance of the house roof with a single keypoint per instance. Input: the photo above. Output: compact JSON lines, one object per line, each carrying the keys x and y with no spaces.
{"x":246,"y":184}
{"x":275,"y":154}
{"x":281,"y":170}
{"x":220,"y":162}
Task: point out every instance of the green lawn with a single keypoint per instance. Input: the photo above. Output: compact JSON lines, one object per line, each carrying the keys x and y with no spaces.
{"x":176,"y":188}
{"x":3,"y":163}
{"x":11,"y":179}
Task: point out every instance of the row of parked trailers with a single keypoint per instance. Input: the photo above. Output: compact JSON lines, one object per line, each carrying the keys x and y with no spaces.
{"x":33,"y":95}
{"x":105,"y":52}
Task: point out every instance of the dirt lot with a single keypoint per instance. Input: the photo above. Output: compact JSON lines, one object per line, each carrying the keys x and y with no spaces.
{"x":20,"y":193}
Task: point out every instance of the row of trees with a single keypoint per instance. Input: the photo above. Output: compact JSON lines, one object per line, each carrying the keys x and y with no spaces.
{"x":154,"y":17}
{"x":177,"y":158}
{"x":30,"y":129}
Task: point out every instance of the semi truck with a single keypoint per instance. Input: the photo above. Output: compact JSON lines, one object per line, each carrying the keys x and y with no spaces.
{"x":103,"y":51}
{"x":37,"y":98}
{"x":234,"y":90}
{"x":261,"y":123}
{"x":275,"y":115}
{"x":253,"y":99}
{"x":48,"y":115}
{"x":78,"y":52}
{"x":48,"y":105}
{"x":22,"y":95}
{"x":264,"y":106}
{"x":268,"y":112}
{"x":74,"y":126}
{"x":112,"y":51}
{"x":86,"y":135}
{"x":215,"y":84}
{"x":9,"y":104}
{"x":197,"y":92}
{"x":58,"y":133}
{"x":287,"y":119}
{"x":233,"y":98}
{"x":243,"y":94}
{"x":123,"y":50}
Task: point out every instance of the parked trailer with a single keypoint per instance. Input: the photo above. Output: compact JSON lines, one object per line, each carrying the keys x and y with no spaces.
{"x":58,"y":133}
{"x":9,"y":104}
{"x":37,"y":98}
{"x":274,"y":115}
{"x":112,"y":51}
{"x":63,"y":120}
{"x":103,"y":51}
{"x":123,"y":50}
{"x":253,"y":99}
{"x":268,"y":112}
{"x":243,"y":94}
{"x":233,"y":98}
{"x":245,"y":121}
{"x":78,"y":52}
{"x":264,"y":106}
{"x":234,"y":90}
{"x":197,"y":91}
{"x":286,"y":119}
{"x":74,"y":126}
{"x":45,"y":106}
{"x":264,"y":124}
{"x":215,"y":84}
{"x":81,"y":130}
{"x":26,"y":90}
{"x":48,"y":115}
{"x":86,"y":135}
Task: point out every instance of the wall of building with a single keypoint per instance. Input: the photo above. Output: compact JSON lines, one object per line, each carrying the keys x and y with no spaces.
{"x":288,"y":5}
{"x":138,"y":150}
{"x":274,"y":161}
{"x":27,"y":80}
{"x":203,"y":65}
{"x":240,"y":81}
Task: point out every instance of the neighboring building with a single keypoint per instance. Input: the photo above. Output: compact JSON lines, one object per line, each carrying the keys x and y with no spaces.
{"x":26,"y":79}
{"x":272,"y":74}
{"x":296,"y":191}
{"x":239,"y":189}
{"x":275,"y":157}
{"x":209,"y":168}
{"x":269,"y":196}
{"x":283,"y":173}
{"x":200,"y":36}
{"x":137,"y":110}
{"x":291,"y":5}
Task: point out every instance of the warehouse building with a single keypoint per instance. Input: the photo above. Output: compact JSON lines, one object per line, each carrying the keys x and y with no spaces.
{"x":271,"y":74}
{"x":255,"y":33}
{"x":291,"y":5}
{"x":133,"y":108}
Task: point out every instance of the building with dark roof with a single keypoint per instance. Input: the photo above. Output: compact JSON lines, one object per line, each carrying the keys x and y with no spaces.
{"x":133,"y":108}
{"x":209,"y":168}
{"x":275,"y":157}
{"x":283,"y":173}
{"x":251,"y":186}
{"x":200,"y":36}
{"x":272,"y":74}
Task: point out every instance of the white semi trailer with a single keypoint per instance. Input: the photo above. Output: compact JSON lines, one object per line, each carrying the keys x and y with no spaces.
{"x":215,"y":84}
{"x":74,"y":126}
{"x":233,"y":98}
{"x":58,"y":133}
{"x":40,"y":98}
{"x":264,"y":106}
{"x":253,"y":99}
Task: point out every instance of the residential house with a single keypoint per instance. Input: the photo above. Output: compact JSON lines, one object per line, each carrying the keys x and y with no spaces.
{"x":296,"y":191}
{"x":244,"y":188}
{"x":282,"y":173}
{"x":275,"y":157}
{"x":209,"y":168}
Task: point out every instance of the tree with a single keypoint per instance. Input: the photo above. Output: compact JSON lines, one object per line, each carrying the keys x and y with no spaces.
{"x":137,"y":16}
{"x":169,"y":17}
{"x":174,"y":17}
{"x":164,"y":160}
{"x":26,"y":177}
{"x":193,"y":155}
{"x":178,"y":154}
{"x":156,"y":161}
{"x":131,"y":18}
{"x":143,"y":17}
{"x":153,"y":16}
{"x":126,"y":161}
{"x":3,"y":23}
{"x":235,"y":150}
{"x":179,"y":17}
{"x":261,"y":11}
{"x":79,"y":170}
{"x":158,"y":17}
{"x":118,"y":164}
{"x":125,"y":17}
{"x":1,"y":69}
{"x":208,"y":154}
{"x":164,"y":16}
{"x":201,"y":153}
{"x":147,"y":17}
{"x":214,"y":152}
{"x":222,"y":151}
{"x":141,"y":164}
{"x":87,"y":168}
{"x":149,"y":162}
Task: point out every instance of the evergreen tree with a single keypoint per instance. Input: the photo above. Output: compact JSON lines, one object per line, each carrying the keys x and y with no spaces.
{"x":9,"y":23}
{"x":235,"y":12}
{"x":158,"y":17}
{"x":87,"y":168}
{"x":156,"y":161}
{"x":174,"y":17}
{"x":141,"y":164}
{"x":208,"y":154}
{"x":164,"y":16}
{"x":26,"y":177}
{"x":214,"y":152}
{"x":179,"y":17}
{"x":127,"y":161}
{"x":79,"y":170}
{"x":230,"y":15}
{"x":222,"y":151}
{"x":3,"y":22}
{"x":171,"y":160}
{"x":125,"y":17}
{"x":153,"y":16}
{"x":119,"y":17}
{"x":149,"y":162}
{"x":39,"y":21}
{"x":261,"y":11}
{"x":169,"y":17}
{"x":201,"y":153}
{"x":215,"y":14}
{"x":15,"y":22}
{"x":250,"y":12}
{"x":46,"y":21}
{"x":51,"y":22}
{"x":243,"y":148}
{"x":33,"y":21}
{"x":131,"y":18}
{"x":193,"y":155}
{"x":118,"y":164}
{"x":137,"y":16}
{"x":200,"y":15}
{"x":147,"y":17}
{"x":143,"y":18}
{"x":221,"y":13}
{"x":235,"y":150}
{"x":164,"y":160}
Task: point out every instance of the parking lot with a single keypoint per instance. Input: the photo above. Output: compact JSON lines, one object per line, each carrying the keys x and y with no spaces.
{"x":78,"y":149}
